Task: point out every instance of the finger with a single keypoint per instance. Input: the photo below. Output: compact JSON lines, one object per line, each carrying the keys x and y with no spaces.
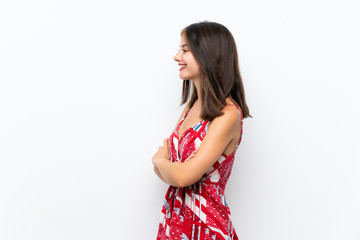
{"x":195,"y":151}
{"x":166,"y":143}
{"x":190,"y":157}
{"x":193,"y":154}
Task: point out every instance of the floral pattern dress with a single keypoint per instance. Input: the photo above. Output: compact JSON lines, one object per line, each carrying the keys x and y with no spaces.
{"x":198,"y":211}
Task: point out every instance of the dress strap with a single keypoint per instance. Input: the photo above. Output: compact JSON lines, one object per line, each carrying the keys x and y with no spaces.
{"x":182,"y":119}
{"x":186,"y":113}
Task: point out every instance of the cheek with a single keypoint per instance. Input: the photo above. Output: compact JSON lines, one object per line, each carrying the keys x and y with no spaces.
{"x":196,"y":67}
{"x":191,"y":62}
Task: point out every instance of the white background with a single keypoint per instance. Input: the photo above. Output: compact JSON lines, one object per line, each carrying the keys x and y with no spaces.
{"x":89,"y":89}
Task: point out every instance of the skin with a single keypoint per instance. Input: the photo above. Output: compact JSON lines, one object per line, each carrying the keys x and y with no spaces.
{"x":222,"y":136}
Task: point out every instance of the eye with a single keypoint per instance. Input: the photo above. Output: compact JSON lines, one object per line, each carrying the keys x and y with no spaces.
{"x":184,"y":50}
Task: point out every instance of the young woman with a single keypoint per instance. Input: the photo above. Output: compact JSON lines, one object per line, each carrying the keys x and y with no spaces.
{"x":197,"y":159}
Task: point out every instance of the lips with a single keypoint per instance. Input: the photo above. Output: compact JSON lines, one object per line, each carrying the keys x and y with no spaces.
{"x":182,"y":67}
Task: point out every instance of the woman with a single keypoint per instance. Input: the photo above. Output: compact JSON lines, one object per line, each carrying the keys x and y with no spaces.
{"x":197,"y":158}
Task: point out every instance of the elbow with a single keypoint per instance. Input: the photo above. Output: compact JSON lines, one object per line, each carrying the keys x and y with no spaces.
{"x":179,"y":181}
{"x":184,"y":180}
{"x":183,"y":176}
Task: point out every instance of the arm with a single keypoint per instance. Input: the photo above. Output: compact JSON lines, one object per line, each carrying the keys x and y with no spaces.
{"x":217,"y":138}
{"x":156,"y":170}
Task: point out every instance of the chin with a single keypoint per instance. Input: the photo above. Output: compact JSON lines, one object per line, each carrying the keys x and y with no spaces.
{"x":183,"y":77}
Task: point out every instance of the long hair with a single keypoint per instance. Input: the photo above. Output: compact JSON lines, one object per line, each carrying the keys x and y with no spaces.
{"x":214,"y":48}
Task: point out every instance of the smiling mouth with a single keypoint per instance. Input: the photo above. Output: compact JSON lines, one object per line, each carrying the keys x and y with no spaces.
{"x":182,"y":67}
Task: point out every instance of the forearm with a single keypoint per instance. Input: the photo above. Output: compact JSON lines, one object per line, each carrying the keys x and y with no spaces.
{"x":156,"y":170}
{"x":170,"y":171}
{"x":174,"y":173}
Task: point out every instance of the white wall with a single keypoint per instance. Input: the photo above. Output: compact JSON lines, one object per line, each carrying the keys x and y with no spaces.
{"x":88,"y":91}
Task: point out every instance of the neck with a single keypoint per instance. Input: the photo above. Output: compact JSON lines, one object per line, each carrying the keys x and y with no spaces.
{"x":197,"y":86}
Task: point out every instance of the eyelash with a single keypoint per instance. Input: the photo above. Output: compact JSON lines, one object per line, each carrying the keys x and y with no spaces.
{"x":184,"y":51}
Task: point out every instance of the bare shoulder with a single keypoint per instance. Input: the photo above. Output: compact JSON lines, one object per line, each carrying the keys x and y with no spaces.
{"x":231,"y":116}
{"x":232,"y":111}
{"x":228,"y":123}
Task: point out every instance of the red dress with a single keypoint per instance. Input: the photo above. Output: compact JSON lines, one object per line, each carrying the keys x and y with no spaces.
{"x":198,"y":211}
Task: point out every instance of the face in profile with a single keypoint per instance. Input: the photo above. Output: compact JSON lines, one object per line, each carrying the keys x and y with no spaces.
{"x":188,"y":66}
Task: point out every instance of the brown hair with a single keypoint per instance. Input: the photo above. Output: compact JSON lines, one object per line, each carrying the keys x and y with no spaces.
{"x":214,"y":48}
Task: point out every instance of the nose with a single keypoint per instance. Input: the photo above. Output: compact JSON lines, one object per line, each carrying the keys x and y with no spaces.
{"x":177,"y":56}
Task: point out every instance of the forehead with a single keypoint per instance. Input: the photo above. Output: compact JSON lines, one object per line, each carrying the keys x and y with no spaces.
{"x":183,"y":40}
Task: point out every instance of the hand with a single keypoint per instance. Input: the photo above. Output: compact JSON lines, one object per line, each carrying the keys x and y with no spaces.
{"x":192,"y":154}
{"x":162,"y":153}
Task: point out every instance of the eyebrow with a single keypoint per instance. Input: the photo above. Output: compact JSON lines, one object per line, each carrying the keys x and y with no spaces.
{"x":184,"y":45}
